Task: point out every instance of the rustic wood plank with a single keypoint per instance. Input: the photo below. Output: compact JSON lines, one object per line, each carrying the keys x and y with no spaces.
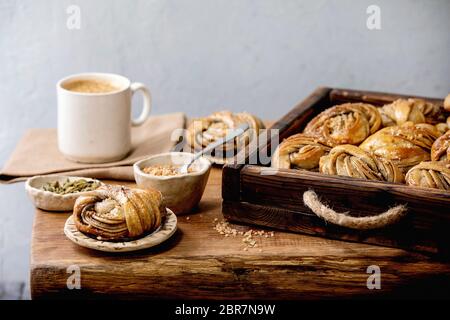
{"x":199,"y":263}
{"x":372,"y":97}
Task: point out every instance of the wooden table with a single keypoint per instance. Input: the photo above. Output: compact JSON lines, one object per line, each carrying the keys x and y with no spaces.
{"x":198,"y":262}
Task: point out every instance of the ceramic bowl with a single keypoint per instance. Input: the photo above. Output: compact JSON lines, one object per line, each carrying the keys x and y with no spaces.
{"x":181,"y":192}
{"x":50,"y":201}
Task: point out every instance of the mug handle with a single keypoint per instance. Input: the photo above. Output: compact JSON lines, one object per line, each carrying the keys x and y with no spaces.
{"x":137,"y":86}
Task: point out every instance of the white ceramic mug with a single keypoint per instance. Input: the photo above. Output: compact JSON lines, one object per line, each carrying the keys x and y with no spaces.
{"x":96,"y":127}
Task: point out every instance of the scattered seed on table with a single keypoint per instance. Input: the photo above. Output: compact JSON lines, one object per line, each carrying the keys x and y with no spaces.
{"x":249,"y":237}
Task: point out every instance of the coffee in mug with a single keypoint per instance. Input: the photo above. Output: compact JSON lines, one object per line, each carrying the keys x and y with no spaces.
{"x":94,"y":116}
{"x":90,"y":86}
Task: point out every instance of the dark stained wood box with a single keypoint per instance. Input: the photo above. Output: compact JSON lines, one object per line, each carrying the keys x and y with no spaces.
{"x":254,"y":194}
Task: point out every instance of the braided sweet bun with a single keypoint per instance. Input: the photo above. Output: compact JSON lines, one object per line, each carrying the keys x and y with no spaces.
{"x":447,"y":102}
{"x":430,"y":174}
{"x":203,"y":131}
{"x":414,"y":110}
{"x":299,"y":151}
{"x":352,"y":161}
{"x":440,"y":150}
{"x":348,"y":123}
{"x":114,"y":213}
{"x":405,"y":145}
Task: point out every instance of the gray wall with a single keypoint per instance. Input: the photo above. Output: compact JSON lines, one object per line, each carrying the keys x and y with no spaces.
{"x":200,"y":56}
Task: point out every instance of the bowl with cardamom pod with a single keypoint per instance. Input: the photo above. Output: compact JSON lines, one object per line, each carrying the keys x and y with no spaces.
{"x":57,"y":192}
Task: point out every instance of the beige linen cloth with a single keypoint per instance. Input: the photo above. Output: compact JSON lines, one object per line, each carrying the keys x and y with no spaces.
{"x":37,"y":152}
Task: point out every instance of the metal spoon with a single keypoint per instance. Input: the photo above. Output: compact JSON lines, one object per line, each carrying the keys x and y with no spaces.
{"x":230,"y":136}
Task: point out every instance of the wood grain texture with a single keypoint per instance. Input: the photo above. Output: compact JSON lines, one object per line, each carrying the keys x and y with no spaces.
{"x":198,"y":263}
{"x":372,"y":97}
{"x":274,"y":198}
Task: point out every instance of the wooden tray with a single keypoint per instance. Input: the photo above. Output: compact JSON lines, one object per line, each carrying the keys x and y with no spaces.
{"x":254,"y":194}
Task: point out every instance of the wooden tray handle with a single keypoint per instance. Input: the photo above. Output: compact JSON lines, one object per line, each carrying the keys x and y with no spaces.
{"x":384,"y":219}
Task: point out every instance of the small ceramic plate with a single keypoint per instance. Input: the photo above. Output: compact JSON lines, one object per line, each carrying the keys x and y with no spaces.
{"x":50,"y":201}
{"x":158,"y":236}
